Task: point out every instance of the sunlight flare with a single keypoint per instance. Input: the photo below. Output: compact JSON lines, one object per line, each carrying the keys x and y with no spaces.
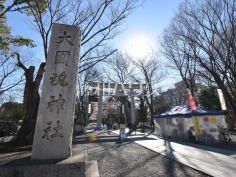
{"x":139,"y":48}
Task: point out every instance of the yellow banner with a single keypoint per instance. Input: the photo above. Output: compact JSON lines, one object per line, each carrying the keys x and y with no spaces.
{"x":197,"y":125}
{"x":213,"y":120}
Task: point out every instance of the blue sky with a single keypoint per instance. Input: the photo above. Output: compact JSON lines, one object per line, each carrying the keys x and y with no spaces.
{"x":146,"y":22}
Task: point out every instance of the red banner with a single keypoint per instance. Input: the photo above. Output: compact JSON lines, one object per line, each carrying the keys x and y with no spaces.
{"x":191,"y":101}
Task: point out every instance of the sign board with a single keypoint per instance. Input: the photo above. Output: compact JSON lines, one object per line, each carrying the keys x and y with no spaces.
{"x":122,"y":131}
{"x":213,"y":120}
{"x":206,"y":121}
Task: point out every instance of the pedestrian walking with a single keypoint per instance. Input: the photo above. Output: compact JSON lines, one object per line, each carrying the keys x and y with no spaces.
{"x":108,"y":126}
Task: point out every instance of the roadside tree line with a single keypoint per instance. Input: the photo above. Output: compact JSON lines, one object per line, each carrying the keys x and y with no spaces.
{"x":200,"y":43}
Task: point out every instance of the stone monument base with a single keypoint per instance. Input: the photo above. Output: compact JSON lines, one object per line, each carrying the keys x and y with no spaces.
{"x":60,"y":170}
{"x":79,"y":128}
{"x":74,"y":166}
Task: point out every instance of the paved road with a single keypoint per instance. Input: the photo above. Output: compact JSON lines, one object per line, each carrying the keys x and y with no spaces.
{"x":213,"y":161}
{"x":127,"y":159}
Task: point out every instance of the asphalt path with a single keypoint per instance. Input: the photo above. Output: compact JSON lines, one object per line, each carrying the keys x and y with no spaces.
{"x":118,"y":158}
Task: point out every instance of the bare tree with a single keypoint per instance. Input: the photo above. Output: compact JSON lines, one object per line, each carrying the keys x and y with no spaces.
{"x":177,"y":52}
{"x":11,"y":76}
{"x":90,"y":75}
{"x":7,"y":70}
{"x":148,"y":70}
{"x":9,"y":43}
{"x":117,"y":69}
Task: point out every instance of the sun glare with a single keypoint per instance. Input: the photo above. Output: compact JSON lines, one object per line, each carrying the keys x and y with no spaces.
{"x":139,"y":48}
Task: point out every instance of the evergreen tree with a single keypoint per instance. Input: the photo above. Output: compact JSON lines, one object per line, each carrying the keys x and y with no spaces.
{"x":6,"y":38}
{"x":208,"y":98}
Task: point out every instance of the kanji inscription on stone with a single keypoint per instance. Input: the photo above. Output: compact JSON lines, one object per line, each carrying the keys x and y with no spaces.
{"x":56,"y":112}
{"x":57,"y":128}
{"x":59,"y":79}
{"x":56,"y":103}
{"x":64,"y":37}
{"x":47,"y":131}
{"x":62,"y":56}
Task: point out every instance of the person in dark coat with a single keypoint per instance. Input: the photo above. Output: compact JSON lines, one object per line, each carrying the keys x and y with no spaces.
{"x":129,"y":126}
{"x":135,"y":127}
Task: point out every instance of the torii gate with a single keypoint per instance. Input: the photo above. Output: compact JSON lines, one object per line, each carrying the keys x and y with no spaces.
{"x":101,"y":91}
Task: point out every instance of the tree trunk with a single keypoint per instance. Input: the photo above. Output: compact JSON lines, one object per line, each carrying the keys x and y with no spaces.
{"x":29,"y":75}
{"x":31,"y":103}
{"x":127,"y":111}
{"x":150,"y":105}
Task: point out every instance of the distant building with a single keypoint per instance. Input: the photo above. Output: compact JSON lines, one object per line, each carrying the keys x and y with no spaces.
{"x":174,"y":97}
{"x":177,"y":95}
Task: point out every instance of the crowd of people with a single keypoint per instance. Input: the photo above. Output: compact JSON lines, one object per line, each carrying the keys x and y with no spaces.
{"x":132,"y":127}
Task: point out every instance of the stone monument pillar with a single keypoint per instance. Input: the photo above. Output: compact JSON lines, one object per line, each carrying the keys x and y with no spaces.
{"x":54,"y":126}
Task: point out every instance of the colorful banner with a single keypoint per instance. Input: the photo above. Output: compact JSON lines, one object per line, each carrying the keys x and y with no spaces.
{"x":197,"y":125}
{"x":222,"y":100}
{"x":191,"y":101}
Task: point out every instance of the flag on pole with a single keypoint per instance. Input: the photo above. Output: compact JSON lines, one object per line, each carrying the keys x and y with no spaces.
{"x":191,"y":101}
{"x":222,"y":100}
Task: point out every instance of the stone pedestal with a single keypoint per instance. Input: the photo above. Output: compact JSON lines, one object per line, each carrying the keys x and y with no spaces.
{"x":24,"y":167}
{"x":79,"y":126}
{"x":53,"y":132}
